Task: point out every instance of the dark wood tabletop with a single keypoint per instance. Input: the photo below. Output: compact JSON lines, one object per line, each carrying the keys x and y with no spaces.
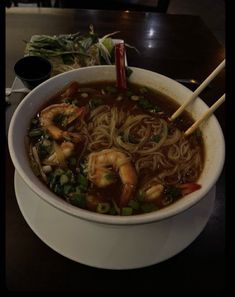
{"x":178,"y":46}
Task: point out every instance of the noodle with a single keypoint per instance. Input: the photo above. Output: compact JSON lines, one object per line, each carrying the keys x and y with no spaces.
{"x":110,"y":127}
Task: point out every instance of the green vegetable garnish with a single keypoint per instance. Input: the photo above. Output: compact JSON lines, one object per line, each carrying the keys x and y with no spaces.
{"x":93,"y":103}
{"x":82,"y":182}
{"x":126,"y":211}
{"x":64,"y":179}
{"x":61,"y":120}
{"x":140,"y":196}
{"x":103,"y":207}
{"x":67,"y":188}
{"x":134,"y":204}
{"x":173,"y":192}
{"x":36,"y":132}
{"x":147,"y":105}
{"x":77,"y":199}
{"x":44,"y":150}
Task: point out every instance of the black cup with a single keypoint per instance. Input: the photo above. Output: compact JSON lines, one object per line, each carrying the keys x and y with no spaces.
{"x":33,"y":70}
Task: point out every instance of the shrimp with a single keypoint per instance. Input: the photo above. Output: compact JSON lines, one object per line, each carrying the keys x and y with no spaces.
{"x":153,"y":190}
{"x":71,"y":112}
{"x":100,"y":174}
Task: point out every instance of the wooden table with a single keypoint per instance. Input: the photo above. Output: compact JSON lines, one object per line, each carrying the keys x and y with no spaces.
{"x":178,"y":46}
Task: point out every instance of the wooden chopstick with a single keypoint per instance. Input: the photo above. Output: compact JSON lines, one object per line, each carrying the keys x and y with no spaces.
{"x":202,"y":86}
{"x":205,"y":116}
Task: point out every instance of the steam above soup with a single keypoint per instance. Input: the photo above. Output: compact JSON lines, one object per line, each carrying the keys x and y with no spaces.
{"x":115,"y":152}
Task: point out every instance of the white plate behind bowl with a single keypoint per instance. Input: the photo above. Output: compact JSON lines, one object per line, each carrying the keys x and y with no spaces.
{"x":32,"y":102}
{"x":110,"y":246}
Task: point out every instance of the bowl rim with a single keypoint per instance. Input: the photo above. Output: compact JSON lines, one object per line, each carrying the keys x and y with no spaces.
{"x":69,"y":209}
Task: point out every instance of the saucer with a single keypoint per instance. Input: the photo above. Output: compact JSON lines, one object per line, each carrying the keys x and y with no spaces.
{"x":81,"y":241}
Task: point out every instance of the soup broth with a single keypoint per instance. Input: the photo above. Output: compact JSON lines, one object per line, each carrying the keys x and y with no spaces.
{"x":115,"y":152}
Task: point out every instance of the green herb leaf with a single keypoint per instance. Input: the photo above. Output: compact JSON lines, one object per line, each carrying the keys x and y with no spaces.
{"x":93,"y":103}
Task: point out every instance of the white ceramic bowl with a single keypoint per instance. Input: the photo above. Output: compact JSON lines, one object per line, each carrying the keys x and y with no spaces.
{"x":212,"y":133}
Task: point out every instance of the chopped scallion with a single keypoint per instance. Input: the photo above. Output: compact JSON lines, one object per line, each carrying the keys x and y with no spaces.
{"x":64,"y":179}
{"x":35,"y":132}
{"x":127,"y":211}
{"x":103,"y":207}
{"x":134,"y":204}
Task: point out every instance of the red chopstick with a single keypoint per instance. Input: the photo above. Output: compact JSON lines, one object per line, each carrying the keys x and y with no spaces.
{"x":120,"y":66}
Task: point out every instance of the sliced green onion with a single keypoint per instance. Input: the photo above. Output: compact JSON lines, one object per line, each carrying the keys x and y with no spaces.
{"x":77,"y":199}
{"x":103,"y":207}
{"x":93,"y":103}
{"x":134,"y":204}
{"x":141,"y":196}
{"x":58,"y":171}
{"x":83,"y":182}
{"x":112,"y":211}
{"x":35,"y":132}
{"x":67,"y":189}
{"x":64,"y":179}
{"x":127,"y":211}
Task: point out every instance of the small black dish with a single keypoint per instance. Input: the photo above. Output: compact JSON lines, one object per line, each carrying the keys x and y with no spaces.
{"x":33,"y":70}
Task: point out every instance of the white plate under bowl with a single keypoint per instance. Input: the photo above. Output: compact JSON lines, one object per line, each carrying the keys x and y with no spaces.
{"x":75,"y":238}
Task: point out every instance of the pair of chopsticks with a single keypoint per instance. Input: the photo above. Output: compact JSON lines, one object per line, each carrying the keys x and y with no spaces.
{"x":203,"y":85}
